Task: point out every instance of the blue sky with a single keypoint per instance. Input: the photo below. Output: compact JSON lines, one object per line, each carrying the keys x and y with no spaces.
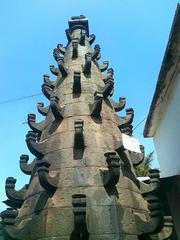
{"x":133,"y":37}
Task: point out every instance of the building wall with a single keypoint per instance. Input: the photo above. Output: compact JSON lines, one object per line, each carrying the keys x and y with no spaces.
{"x":167,"y":136}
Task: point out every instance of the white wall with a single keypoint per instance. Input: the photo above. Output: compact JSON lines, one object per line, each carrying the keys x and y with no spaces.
{"x":167,"y":136}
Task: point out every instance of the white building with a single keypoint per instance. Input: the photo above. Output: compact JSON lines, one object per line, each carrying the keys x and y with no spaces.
{"x":163,"y":122}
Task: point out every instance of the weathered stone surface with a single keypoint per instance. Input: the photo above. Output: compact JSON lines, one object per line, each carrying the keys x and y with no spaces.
{"x":70,"y":149}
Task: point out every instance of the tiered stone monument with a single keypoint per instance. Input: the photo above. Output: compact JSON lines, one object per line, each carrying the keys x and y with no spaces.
{"x":82,"y":181}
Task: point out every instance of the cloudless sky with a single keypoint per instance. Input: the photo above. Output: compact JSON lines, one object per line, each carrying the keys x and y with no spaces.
{"x":132,"y":35}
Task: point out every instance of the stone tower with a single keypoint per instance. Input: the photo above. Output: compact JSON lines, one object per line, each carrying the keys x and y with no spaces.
{"x":82,"y":181}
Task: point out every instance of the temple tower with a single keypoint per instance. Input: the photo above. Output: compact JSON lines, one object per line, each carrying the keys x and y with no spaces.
{"x":82,"y":181}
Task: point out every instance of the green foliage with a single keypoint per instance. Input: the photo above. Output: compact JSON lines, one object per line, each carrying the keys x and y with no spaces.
{"x":143,"y":169}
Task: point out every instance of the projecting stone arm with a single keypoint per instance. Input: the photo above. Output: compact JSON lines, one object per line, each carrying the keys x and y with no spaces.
{"x":41,"y":109}
{"x":9,"y":230}
{"x":124,"y":123}
{"x":78,"y":135}
{"x":87,"y":65}
{"x":8,"y":216}
{"x":108,"y":88}
{"x":96,"y":107}
{"x":36,"y":127}
{"x":104,"y":66}
{"x":137,"y":158}
{"x":91,"y":39}
{"x":75,"y":48}
{"x":35,"y":148}
{"x":166,"y":231}
{"x":111,"y":176}
{"x":24,"y":166}
{"x":62,"y":68}
{"x":56,"y":111}
{"x":47,"y":80}
{"x":110,"y":74}
{"x":54,"y":71}
{"x":47,"y":182}
{"x":82,"y":37}
{"x":61,"y":49}
{"x":13,"y":195}
{"x":96,"y":52}
{"x":47,"y":90}
{"x":120,"y":105}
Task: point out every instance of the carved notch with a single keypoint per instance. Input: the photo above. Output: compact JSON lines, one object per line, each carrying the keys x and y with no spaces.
{"x":78,"y":135}
{"x":77,"y":83}
{"x":87,"y":65}
{"x":79,"y":209}
{"x":82,"y":37}
{"x":75,"y":48}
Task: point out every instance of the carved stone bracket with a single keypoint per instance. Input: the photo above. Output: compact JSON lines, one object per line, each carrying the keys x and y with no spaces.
{"x":91,"y":39}
{"x":95,"y":108}
{"x":24,"y":166}
{"x":62,"y":68}
{"x":36,"y":127}
{"x":47,"y":90}
{"x":87,"y":65}
{"x":48,"y":183}
{"x":106,"y":91}
{"x":8,"y":216}
{"x":41,"y":109}
{"x":56,"y":111}
{"x":75,"y":43}
{"x":35,"y":148}
{"x":104,"y":66}
{"x":120,"y":105}
{"x":137,"y":158}
{"x":82,"y":37}
{"x":110,"y":74}
{"x":17,"y":197}
{"x":78,"y":135}
{"x":156,"y":222}
{"x":61,"y":49}
{"x":54,"y":71}
{"x":77,"y":83}
{"x":47,"y":80}
{"x":96,"y":51}
{"x":56,"y":54}
{"x":124,"y":123}
{"x":79,"y":209}
{"x":110,"y":177}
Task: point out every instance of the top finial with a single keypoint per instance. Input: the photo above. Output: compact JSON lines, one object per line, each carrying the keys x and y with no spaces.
{"x":79,"y":22}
